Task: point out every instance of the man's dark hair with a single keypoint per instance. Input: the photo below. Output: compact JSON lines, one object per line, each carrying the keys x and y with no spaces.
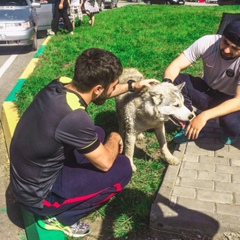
{"x":232,"y":32}
{"x":96,"y":66}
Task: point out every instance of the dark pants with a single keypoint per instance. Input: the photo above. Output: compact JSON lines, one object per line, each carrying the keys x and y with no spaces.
{"x":61,"y":13}
{"x":81,"y":188}
{"x":198,"y":94}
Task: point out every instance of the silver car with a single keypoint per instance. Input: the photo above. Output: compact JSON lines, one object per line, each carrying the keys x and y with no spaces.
{"x":19,"y":23}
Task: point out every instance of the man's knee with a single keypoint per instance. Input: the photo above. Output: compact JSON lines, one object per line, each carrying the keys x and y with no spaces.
{"x":180,"y":79}
{"x":230,"y":124}
{"x":123,"y":169}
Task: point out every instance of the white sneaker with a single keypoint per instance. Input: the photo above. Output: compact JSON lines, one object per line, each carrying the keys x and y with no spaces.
{"x":79,"y":229}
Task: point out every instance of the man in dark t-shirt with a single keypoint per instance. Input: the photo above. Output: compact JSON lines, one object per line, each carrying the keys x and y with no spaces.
{"x":61,"y":166}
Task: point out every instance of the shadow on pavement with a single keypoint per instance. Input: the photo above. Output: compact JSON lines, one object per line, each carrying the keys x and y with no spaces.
{"x":167,"y":216}
{"x":13,"y":209}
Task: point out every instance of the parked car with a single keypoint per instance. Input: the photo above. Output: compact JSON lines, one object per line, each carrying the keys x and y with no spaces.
{"x":228,"y":2}
{"x":107,"y":4}
{"x":211,"y":1}
{"x":20,"y":22}
{"x":178,"y":2}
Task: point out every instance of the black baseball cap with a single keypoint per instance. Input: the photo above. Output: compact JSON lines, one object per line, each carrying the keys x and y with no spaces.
{"x":232,"y":32}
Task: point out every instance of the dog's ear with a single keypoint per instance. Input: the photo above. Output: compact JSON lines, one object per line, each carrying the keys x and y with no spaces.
{"x":181,"y":85}
{"x":157,"y":99}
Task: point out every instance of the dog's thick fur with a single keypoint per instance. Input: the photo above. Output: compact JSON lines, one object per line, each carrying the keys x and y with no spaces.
{"x":148,"y":109}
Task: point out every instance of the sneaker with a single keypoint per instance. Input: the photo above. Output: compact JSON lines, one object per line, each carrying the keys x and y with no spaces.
{"x":181,"y":138}
{"x":50,"y":33}
{"x":79,"y":229}
{"x":229,"y":140}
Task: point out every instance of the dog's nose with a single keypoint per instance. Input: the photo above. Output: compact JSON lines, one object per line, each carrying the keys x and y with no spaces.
{"x":191,"y":116}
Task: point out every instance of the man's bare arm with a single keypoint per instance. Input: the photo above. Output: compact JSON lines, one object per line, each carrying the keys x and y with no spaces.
{"x":223,"y":109}
{"x":137,"y":86}
{"x":105,"y":155}
{"x":176,"y":66}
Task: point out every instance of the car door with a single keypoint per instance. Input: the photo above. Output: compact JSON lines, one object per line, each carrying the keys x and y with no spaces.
{"x":45,"y":14}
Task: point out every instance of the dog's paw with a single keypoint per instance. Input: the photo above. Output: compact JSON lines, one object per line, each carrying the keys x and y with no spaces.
{"x":134,"y":168}
{"x":173,"y":161}
{"x":140,"y":136}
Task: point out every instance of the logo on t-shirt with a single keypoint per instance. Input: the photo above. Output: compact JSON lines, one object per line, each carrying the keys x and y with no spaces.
{"x":230,"y":73}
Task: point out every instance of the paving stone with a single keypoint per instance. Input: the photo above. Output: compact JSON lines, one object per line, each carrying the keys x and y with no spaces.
{"x":196,"y":183}
{"x":236,"y":178}
{"x":214,"y":196}
{"x":227,"y":169}
{"x":197,"y":205}
{"x":214,"y":176}
{"x":188,"y":173}
{"x":215,"y":160}
{"x":198,"y":166}
{"x":237,"y":198}
{"x":190,"y":158}
{"x":227,"y":209}
{"x":193,"y":149}
{"x":184,"y":192}
{"x":235,"y":162}
{"x":227,"y":187}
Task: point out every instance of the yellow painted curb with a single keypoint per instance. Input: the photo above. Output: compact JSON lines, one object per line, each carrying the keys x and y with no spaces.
{"x":9,"y":120}
{"x":30,"y":68}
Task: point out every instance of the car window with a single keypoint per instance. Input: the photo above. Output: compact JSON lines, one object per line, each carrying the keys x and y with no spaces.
{"x":13,"y":3}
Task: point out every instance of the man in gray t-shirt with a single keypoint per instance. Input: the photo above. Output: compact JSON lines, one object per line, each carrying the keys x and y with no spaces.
{"x":217,"y":92}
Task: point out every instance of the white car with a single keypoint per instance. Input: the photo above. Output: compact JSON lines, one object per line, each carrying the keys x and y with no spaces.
{"x":20,"y":21}
{"x":211,"y":1}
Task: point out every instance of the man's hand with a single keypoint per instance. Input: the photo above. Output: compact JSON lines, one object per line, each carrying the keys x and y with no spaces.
{"x":116,"y":138}
{"x":60,"y":6}
{"x":120,"y":143}
{"x":145,"y":83}
{"x":196,"y":125}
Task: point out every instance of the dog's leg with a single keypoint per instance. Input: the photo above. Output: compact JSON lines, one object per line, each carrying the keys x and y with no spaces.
{"x":160,"y":134}
{"x":130,"y":140}
{"x":121,"y":128}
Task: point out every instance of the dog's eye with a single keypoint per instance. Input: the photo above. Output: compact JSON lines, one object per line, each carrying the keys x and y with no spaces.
{"x":177,"y":105}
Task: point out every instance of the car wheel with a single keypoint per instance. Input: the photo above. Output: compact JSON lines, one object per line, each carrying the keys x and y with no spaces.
{"x":112,"y":5}
{"x":35,"y":45}
{"x":102,"y":6}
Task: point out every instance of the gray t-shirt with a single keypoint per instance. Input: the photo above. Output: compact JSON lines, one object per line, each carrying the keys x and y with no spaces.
{"x":220,"y":74}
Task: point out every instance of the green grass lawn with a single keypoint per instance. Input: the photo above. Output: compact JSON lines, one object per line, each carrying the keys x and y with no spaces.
{"x":147,"y":37}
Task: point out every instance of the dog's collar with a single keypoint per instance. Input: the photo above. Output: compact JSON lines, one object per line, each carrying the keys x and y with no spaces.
{"x":130,"y":87}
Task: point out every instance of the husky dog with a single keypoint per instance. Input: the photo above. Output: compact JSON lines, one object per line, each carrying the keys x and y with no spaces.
{"x":149,"y":109}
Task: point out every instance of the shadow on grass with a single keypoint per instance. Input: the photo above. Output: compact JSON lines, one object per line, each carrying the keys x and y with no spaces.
{"x":127,"y":216}
{"x":167,"y":221}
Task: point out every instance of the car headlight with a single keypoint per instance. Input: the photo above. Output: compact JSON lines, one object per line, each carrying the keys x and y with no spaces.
{"x":18,"y":26}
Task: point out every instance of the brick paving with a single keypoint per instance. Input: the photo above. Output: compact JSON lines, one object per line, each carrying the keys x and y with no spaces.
{"x":202,"y":194}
